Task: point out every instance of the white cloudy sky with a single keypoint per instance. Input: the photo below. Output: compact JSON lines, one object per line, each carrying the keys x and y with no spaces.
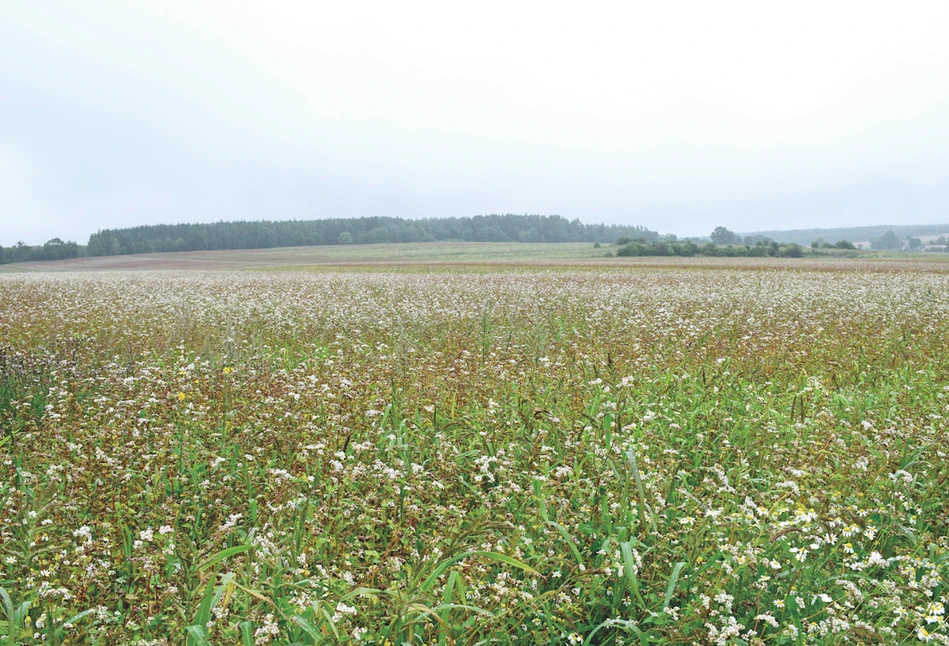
{"x":676,"y":115}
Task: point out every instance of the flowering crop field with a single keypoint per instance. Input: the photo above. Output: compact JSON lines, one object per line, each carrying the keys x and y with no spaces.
{"x":702,"y":454}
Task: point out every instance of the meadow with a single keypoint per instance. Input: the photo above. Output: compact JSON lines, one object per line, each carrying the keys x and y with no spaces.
{"x":708,"y":452}
{"x":323,"y":257}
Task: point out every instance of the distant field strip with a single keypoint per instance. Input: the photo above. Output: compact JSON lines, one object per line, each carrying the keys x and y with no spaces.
{"x":464,"y":254}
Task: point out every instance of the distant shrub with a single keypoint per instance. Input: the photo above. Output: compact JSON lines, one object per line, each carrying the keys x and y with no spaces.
{"x":792,"y":250}
{"x":658,"y":248}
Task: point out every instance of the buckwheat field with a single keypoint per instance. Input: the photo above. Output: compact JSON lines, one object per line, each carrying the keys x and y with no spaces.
{"x":564,"y":455}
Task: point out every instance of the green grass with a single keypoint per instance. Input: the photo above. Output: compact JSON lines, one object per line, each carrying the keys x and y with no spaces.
{"x":738,"y":452}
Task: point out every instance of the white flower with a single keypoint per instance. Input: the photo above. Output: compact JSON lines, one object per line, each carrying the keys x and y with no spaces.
{"x":876,"y":558}
{"x":83,"y":532}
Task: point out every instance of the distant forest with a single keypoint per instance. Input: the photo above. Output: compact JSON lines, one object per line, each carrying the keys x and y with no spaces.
{"x":852,"y":234}
{"x":265,"y":234}
{"x":54,"y":249}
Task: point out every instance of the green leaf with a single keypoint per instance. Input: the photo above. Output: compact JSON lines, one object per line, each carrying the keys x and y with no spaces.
{"x":502,"y":558}
{"x":670,"y":589}
{"x":444,"y":565}
{"x":247,"y":633}
{"x":566,"y":536}
{"x":329,"y":620}
{"x":308,"y":628}
{"x":629,"y":571}
{"x":20,"y":613}
{"x":199,"y":634}
{"x":623,"y":624}
{"x":454,"y":583}
{"x":203,"y":615}
{"x":79,"y":617}
{"x":541,"y":502}
{"x":223,"y":555}
{"x":641,"y":503}
{"x":7,"y":603}
{"x":462,"y":606}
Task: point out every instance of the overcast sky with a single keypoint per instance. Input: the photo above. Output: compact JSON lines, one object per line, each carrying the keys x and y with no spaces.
{"x":679,"y":116}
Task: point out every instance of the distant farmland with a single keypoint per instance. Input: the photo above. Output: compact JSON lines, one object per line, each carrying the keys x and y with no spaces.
{"x":462,"y":254}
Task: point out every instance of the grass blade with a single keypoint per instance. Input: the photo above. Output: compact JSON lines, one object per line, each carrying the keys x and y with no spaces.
{"x":247,"y":633}
{"x":670,"y":589}
{"x":494,"y":556}
{"x":629,"y":571}
{"x":566,"y":536}
{"x":308,"y":628}
{"x":223,"y":555}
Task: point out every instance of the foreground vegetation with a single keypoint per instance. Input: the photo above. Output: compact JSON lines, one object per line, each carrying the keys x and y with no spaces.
{"x":576,"y":456}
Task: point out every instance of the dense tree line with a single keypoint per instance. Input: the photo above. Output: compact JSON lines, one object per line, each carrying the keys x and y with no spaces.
{"x":266,"y":234}
{"x":666,"y":247}
{"x":54,"y":249}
